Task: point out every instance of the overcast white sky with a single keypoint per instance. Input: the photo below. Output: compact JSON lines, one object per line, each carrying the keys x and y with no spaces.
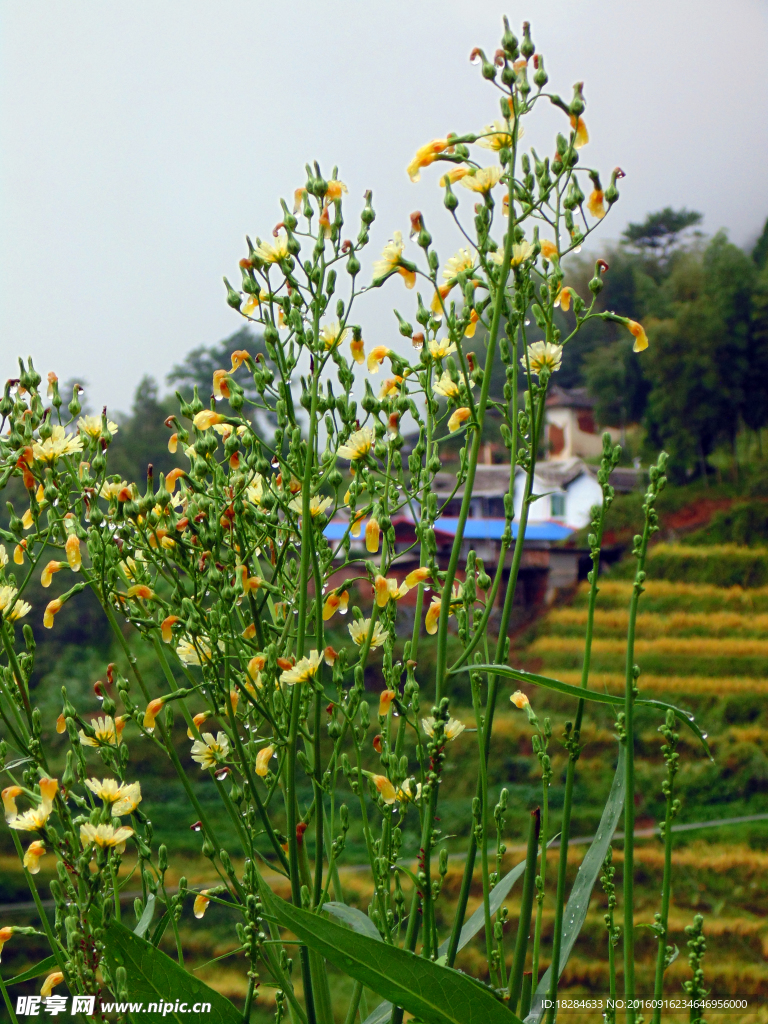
{"x":141,"y":141}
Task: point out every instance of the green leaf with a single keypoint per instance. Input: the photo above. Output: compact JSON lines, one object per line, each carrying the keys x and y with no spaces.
{"x":581,"y":893}
{"x":435,"y":994}
{"x":154,"y":978}
{"x":44,"y":967}
{"x":146,"y":918}
{"x":468,"y":932}
{"x":594,"y":695}
{"x":355,"y":918}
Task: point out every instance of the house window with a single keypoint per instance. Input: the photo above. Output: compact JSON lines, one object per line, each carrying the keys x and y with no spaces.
{"x":557,"y":506}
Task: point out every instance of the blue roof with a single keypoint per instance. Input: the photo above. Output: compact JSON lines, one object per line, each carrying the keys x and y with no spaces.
{"x":475,"y":529}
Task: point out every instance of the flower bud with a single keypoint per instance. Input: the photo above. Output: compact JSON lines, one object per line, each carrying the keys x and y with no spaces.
{"x":527,"y":47}
{"x":233,"y":297}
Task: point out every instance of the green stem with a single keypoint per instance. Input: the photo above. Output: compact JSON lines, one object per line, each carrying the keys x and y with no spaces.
{"x":543,"y":876}
{"x":483,"y":788}
{"x":7,"y":1000}
{"x":630,"y":693}
{"x":526,"y":906}
{"x":357,"y":991}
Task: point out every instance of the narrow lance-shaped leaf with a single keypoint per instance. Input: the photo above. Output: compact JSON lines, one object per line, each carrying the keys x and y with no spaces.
{"x":435,"y":994}
{"x":520,"y":675}
{"x":578,"y":904}
{"x":154,"y":978}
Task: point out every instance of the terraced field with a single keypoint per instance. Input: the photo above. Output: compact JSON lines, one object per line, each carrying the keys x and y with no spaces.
{"x":703,"y":648}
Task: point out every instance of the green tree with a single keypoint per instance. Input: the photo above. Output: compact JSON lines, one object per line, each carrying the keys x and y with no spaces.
{"x":702,"y":356}
{"x":661,"y":232}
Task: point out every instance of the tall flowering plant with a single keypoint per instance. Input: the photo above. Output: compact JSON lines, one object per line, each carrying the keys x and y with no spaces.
{"x":226,"y":569}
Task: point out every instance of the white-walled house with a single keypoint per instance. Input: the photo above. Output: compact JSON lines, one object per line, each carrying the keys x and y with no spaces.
{"x":570,"y":427}
{"x":569,"y":489}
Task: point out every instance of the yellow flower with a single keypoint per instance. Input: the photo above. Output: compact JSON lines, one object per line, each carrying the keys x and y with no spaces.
{"x":390,"y":388}
{"x":18,"y":552}
{"x":460,"y":263}
{"x":35,"y":851}
{"x":543,"y":355}
{"x":332,"y":335}
{"x":482,"y":180}
{"x":273,"y":253}
{"x":58,"y":444}
{"x":198,"y":720}
{"x":201,"y":903}
{"x":254,"y":492}
{"x":304,"y":669}
{"x":335,"y":603}
{"x":582,"y":135}
{"x":110,"y":489}
{"x":5,"y":934}
{"x":166,"y":627}
{"x":50,"y":983}
{"x":391,"y":258}
{"x":357,"y":348}
{"x":248,"y":308}
{"x":153,"y":710}
{"x":205,"y":419}
{"x":520,"y":700}
{"x":221,"y":384}
{"x":453,"y":727}
{"x":3,"y":556}
{"x":433,"y":614}
{"x":563,"y":299}
{"x":469,"y":330}
{"x":641,"y":338}
{"x":31,"y":820}
{"x":454,"y":175}
{"x":189,"y":654}
{"x":51,"y":609}
{"x":105,"y":836}
{"x":439,"y":348}
{"x":335,"y":190}
{"x":317,"y":505}
{"x":107,"y":732}
{"x":9,"y":795}
{"x":91,"y":425}
{"x":497,"y":136}
{"x":426,"y":155}
{"x":240,"y":356}
{"x":520,"y":253}
{"x":263,"y":758}
{"x":458,"y":416}
{"x":355,"y":523}
{"x":385,"y":788}
{"x":548,"y":249}
{"x":358,"y":444}
{"x":47,"y":574}
{"x":72,"y":549}
{"x":386,"y":590}
{"x":595,"y":203}
{"x":416,"y":576}
{"x":359,"y":632}
{"x":372,"y":534}
{"x":20,"y":608}
{"x":377,"y":357}
{"x":210,"y":751}
{"x":124,"y":797}
{"x":48,"y":790}
{"x":142,"y":591}
{"x":445,"y":386}
{"x":385,"y":699}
